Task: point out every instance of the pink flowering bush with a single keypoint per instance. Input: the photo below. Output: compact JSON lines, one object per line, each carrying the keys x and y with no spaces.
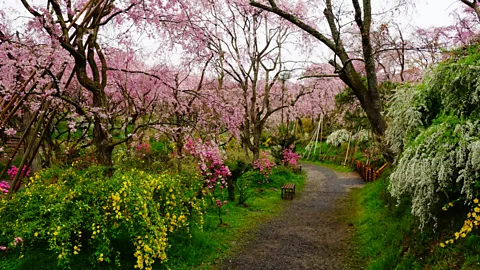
{"x":12,"y":172}
{"x":142,"y":149}
{"x":4,"y":188}
{"x":219,"y":204}
{"x":290,"y":158}
{"x":264,"y":165}
{"x":16,"y":241}
{"x":211,"y":164}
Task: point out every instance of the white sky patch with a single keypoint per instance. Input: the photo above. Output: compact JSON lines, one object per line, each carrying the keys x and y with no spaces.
{"x":424,"y":14}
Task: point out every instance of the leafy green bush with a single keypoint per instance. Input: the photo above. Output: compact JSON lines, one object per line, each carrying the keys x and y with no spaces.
{"x":84,"y":213}
{"x":243,"y":184}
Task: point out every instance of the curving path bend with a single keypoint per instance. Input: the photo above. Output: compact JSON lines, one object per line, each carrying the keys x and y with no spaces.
{"x":310,"y":233}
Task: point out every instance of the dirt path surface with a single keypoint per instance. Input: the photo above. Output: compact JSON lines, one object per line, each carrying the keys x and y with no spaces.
{"x":310,"y":233}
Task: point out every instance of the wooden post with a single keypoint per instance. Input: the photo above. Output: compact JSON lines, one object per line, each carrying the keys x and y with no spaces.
{"x":24,"y":161}
{"x":363,"y":172}
{"x":321,"y":137}
{"x":348,"y":149}
{"x":326,"y":154}
{"x":17,"y":147}
{"x":316,"y":138}
{"x":312,"y":140}
{"x":354,"y":151}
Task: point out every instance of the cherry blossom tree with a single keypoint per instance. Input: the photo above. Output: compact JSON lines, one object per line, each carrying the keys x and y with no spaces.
{"x":247,"y":47}
{"x":334,"y":40}
{"x":474,"y":5}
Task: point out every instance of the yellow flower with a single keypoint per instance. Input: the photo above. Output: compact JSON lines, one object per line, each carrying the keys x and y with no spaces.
{"x":35,"y":234}
{"x":442,"y":245}
{"x":451,"y":204}
{"x":475,"y":201}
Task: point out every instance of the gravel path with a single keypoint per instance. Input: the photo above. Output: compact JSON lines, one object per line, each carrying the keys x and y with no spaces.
{"x":310,"y":233}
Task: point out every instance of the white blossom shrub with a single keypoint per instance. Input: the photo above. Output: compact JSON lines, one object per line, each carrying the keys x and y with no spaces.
{"x":442,"y":160}
{"x":406,"y":117}
{"x":337,"y":137}
{"x":435,"y":134}
{"x":362,"y":135}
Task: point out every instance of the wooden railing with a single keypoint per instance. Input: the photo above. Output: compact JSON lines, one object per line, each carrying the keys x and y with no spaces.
{"x":368,"y":173}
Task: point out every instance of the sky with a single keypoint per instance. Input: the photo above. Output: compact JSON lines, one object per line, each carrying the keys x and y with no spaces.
{"x":423,"y":13}
{"x":432,"y":12}
{"x":426,"y":12}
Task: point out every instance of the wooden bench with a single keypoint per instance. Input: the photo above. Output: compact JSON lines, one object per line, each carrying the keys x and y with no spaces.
{"x":288,"y":190}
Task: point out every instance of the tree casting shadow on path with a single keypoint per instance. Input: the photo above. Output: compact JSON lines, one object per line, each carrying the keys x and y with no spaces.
{"x":310,"y":233}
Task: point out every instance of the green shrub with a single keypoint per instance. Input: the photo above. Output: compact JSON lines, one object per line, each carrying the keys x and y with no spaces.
{"x":83,"y":213}
{"x":243,"y":184}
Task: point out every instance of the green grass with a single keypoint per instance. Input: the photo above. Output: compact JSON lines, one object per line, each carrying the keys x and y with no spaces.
{"x":333,"y":166}
{"x":203,"y":250}
{"x":387,"y":235}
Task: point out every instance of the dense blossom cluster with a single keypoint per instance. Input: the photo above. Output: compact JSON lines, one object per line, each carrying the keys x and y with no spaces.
{"x":264,"y":165}
{"x":338,"y":137}
{"x":13,"y":171}
{"x":362,"y":136}
{"x":142,"y":149}
{"x":210,"y":162}
{"x":290,"y":158}
{"x":4,"y":187}
{"x":434,"y":134}
{"x":405,"y":112}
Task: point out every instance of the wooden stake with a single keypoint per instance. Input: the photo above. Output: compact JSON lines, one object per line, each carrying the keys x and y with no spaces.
{"x":321,"y":137}
{"x":316,"y":138}
{"x":348,"y":149}
{"x":9,"y":162}
{"x":29,"y":148}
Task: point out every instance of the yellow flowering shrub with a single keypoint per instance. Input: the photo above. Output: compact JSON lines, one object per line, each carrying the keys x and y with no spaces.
{"x":85,"y":211}
{"x":471,"y":222}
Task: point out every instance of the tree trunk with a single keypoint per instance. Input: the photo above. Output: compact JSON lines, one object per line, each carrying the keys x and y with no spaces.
{"x":256,"y":141}
{"x":179,"y":153}
{"x":231,"y":189}
{"x":100,"y":132}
